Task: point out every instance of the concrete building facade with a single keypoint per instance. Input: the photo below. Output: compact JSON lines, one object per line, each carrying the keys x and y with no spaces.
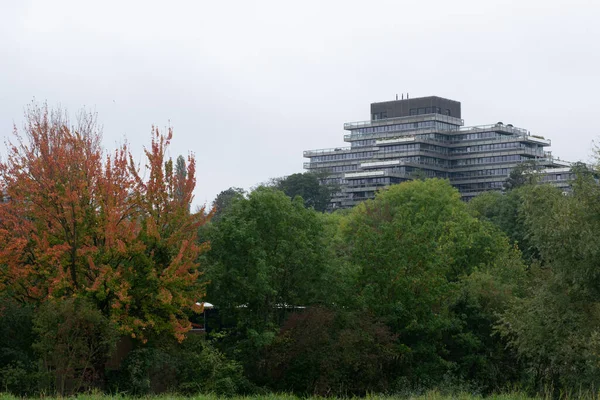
{"x":426,"y":137}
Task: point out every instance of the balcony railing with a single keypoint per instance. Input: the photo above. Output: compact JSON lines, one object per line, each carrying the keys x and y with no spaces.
{"x":383,"y":135}
{"x":497,"y":152}
{"x":494,"y":127}
{"x":310,"y":153}
{"x":406,"y":119}
{"x":555,"y":160}
{"x":364,"y":174}
{"x":401,"y":139}
{"x":512,"y":138}
{"x":519,"y":132}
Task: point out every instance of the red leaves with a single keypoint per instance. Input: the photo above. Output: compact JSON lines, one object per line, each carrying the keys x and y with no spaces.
{"x":81,"y":223}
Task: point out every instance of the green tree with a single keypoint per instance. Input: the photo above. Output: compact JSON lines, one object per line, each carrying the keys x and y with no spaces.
{"x":224,"y":200}
{"x":523,"y":174}
{"x":267,"y":257}
{"x":266,"y":252}
{"x":419,"y":174}
{"x":555,"y":327}
{"x":505,"y":210}
{"x":180,"y":177}
{"x":309,"y":187}
{"x":479,"y":355}
{"x":415,"y":246}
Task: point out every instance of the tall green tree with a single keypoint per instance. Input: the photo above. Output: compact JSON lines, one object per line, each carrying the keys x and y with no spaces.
{"x":180,"y":177}
{"x":224,"y":200}
{"x":309,"y":186}
{"x":523,"y":174}
{"x":267,"y":256}
{"x":505,"y":210}
{"x":555,"y":327}
{"x":416,"y":247}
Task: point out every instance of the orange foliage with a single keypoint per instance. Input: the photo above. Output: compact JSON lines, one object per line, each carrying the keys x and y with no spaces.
{"x":77,"y":222}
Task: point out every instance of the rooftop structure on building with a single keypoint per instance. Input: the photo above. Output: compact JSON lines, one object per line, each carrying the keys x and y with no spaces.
{"x":426,"y":137}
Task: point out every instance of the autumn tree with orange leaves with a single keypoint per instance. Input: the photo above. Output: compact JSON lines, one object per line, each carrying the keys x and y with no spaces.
{"x":79,"y":223}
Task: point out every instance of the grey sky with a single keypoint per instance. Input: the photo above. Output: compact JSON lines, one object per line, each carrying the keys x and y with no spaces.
{"x":249,"y":85}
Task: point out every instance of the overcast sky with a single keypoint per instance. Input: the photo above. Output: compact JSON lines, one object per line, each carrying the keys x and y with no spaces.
{"x":248,"y":85}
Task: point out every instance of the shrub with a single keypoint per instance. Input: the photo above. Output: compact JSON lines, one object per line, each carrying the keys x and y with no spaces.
{"x":193,"y":366}
{"x":18,"y":367}
{"x":74,"y":340}
{"x":326,"y":352}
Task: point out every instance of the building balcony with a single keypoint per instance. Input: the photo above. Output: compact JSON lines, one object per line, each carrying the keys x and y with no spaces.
{"x":379,"y":164}
{"x":537,"y":139}
{"x":353,"y":202}
{"x":478,"y":179}
{"x":555,"y":171}
{"x":399,"y":137}
{"x":321,"y":152}
{"x":477,"y":167}
{"x":505,"y":139}
{"x":404,"y":120}
{"x":412,"y":153}
{"x":336,"y":163}
{"x":556,"y":161}
{"x":395,"y":140}
{"x":364,"y":174}
{"x":363,"y":188}
{"x":374,"y":174}
{"x":492,"y":128}
{"x":498,"y":153}
{"x":390,"y":135}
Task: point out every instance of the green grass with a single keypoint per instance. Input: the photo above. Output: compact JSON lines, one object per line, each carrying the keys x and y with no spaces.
{"x":432,"y":395}
{"x":428,"y":396}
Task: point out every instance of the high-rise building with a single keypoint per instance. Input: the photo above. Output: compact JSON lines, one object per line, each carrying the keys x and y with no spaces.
{"x":426,"y":137}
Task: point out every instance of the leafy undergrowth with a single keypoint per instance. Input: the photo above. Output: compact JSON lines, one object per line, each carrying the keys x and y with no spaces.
{"x":428,"y":396}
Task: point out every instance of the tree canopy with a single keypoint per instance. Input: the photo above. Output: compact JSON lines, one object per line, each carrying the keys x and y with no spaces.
{"x":308,"y":186}
{"x":266,"y":254}
{"x":416,"y":247}
{"x":83,"y":223}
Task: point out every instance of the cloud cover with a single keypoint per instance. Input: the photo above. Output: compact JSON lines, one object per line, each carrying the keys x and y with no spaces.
{"x":248,"y":85}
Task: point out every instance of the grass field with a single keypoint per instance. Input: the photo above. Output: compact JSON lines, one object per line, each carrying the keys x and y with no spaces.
{"x":428,"y":396}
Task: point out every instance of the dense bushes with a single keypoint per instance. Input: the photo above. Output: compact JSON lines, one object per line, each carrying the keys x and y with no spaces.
{"x":421,"y":287}
{"x":61,"y":346}
{"x":64,"y":347}
{"x":18,"y":363}
{"x":322,"y":351}
{"x":74,"y":341}
{"x":194,"y":366}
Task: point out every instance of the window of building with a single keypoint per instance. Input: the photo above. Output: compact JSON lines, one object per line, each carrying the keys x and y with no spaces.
{"x":421,"y":110}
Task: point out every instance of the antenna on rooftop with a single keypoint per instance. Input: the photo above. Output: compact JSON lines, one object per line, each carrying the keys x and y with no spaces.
{"x":396,"y":96}
{"x":407,"y":96}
